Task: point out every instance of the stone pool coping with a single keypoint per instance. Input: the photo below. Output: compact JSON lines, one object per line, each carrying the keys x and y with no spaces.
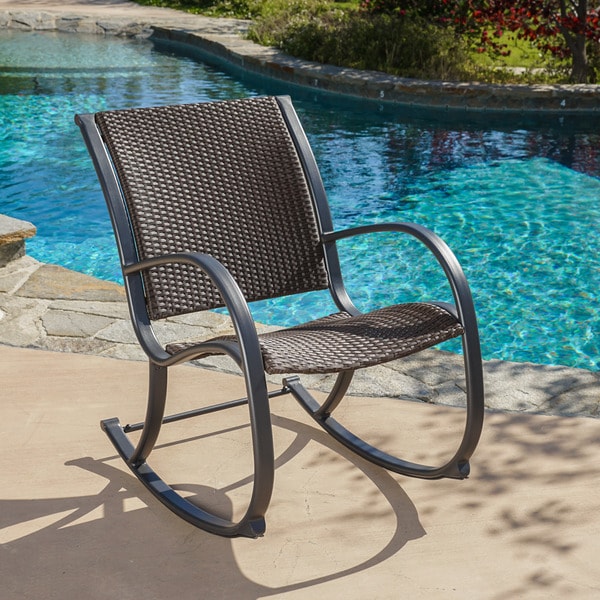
{"x":224,"y":39}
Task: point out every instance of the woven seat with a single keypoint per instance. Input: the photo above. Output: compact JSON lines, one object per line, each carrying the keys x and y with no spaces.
{"x":221,"y":204}
{"x":341,"y":342}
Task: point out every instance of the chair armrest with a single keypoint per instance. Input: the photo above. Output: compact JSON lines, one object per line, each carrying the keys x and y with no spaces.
{"x":442,"y":252}
{"x":249,"y":357}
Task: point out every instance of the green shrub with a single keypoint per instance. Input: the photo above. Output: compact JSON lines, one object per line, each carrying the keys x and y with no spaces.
{"x":381,"y":42}
{"x":278,"y":17}
{"x":241,"y":9}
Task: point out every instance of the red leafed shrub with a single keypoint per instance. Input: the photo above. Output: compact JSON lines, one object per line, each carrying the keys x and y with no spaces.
{"x":568,"y":29}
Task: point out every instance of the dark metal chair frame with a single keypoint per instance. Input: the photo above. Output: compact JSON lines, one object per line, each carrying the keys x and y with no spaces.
{"x":212,"y":279}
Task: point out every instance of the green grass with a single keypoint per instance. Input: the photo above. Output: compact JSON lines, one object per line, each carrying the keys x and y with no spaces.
{"x":522,"y":54}
{"x":241,"y":9}
{"x":523,"y":64}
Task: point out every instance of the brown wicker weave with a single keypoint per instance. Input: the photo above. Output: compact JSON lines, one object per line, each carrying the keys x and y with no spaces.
{"x":223,"y":179}
{"x":340,"y":342}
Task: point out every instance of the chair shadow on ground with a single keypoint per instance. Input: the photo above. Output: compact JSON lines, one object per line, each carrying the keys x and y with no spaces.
{"x":100,"y":541}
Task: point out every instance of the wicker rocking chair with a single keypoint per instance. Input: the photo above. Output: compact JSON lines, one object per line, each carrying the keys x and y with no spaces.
{"x":220,"y":204}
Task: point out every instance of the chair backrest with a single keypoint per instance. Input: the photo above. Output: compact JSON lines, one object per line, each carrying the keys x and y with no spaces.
{"x":221,"y":178}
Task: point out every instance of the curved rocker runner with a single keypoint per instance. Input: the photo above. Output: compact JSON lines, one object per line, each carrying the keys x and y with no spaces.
{"x":220,"y":204}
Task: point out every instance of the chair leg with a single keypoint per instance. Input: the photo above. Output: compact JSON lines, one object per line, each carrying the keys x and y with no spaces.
{"x":340,"y":387}
{"x":456,"y":468}
{"x":155,"y":410}
{"x":253,"y":523}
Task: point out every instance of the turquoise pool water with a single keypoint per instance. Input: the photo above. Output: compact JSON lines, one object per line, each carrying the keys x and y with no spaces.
{"x":516,"y":198}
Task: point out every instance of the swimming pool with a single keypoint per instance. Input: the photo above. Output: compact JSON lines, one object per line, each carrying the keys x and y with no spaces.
{"x":516,"y":198}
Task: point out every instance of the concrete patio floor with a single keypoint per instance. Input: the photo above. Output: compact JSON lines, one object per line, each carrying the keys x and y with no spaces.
{"x":74,"y":523}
